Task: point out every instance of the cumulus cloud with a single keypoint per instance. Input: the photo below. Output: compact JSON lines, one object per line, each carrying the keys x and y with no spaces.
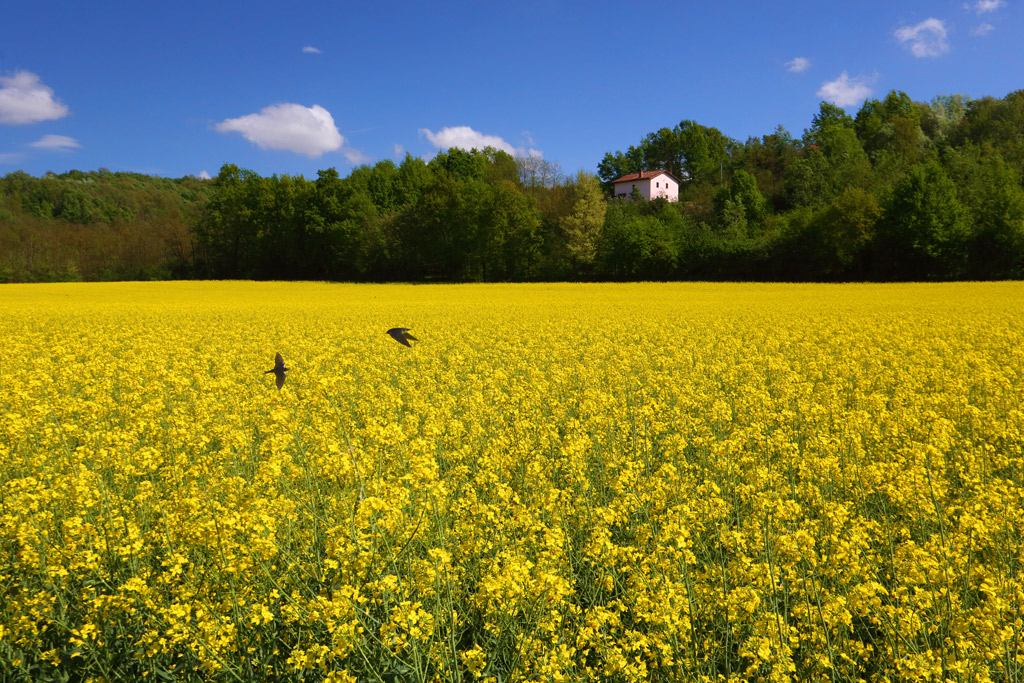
{"x":982,"y":29}
{"x":845,"y":91}
{"x":985,"y":6}
{"x":798,"y":65}
{"x":399,"y":151}
{"x":927,"y":39}
{"x":25,"y":99}
{"x":309,"y":131}
{"x":56,"y":142}
{"x":310,"y":50}
{"x":465,"y":137}
{"x":204,"y":175}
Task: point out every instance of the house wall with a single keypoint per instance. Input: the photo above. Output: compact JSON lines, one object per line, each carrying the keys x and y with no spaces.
{"x":642,"y":186}
{"x":663,"y":186}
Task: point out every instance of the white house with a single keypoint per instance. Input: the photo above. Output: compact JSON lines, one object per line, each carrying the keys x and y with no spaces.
{"x":650,"y":185}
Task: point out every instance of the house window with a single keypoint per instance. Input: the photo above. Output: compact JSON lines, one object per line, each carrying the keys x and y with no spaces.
{"x":657,"y":184}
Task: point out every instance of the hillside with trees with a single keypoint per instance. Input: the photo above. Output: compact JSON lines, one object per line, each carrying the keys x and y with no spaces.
{"x":97,"y":226}
{"x":903,"y":190}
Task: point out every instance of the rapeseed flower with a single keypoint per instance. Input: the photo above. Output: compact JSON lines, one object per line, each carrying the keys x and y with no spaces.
{"x":716,"y":482}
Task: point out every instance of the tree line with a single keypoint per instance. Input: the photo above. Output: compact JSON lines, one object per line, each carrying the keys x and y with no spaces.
{"x":902,"y":190}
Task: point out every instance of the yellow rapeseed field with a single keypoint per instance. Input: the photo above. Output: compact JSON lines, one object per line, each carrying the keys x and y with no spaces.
{"x":648,"y":482}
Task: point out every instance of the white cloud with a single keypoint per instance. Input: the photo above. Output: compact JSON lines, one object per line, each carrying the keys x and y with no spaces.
{"x":24,"y":99}
{"x":984,"y":6}
{"x":798,"y":65}
{"x":399,"y":151}
{"x":927,"y":39}
{"x":845,"y":91}
{"x":465,"y":137}
{"x":309,"y":131}
{"x":982,"y":29}
{"x":354,"y":156}
{"x":56,"y":142}
{"x":310,"y":50}
{"x":11,"y":157}
{"x":204,"y":175}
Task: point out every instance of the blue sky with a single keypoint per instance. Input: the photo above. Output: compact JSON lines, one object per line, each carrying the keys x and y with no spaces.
{"x":180,"y":88}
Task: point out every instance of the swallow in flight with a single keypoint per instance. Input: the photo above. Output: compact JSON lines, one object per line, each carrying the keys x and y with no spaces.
{"x":279,"y":369}
{"x":401,"y":335}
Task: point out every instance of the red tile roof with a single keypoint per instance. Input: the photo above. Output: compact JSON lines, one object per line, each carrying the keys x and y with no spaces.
{"x":643,"y":175}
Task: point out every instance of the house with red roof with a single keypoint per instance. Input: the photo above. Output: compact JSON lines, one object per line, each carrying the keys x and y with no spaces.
{"x":650,"y":185}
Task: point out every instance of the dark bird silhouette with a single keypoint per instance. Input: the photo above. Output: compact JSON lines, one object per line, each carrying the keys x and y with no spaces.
{"x":279,"y":369}
{"x":401,"y":335}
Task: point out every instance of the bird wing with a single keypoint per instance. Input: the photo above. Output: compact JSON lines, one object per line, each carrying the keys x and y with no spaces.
{"x":409,"y":336}
{"x":278,"y":361}
{"x":280,"y":380}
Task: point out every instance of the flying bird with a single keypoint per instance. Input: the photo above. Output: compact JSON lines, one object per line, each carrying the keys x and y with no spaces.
{"x":401,"y":335}
{"x":279,"y":369}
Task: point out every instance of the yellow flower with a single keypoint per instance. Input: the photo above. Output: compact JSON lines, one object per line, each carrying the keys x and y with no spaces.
{"x":782,"y":482}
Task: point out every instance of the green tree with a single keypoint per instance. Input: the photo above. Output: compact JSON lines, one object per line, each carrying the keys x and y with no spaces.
{"x":413,"y":177}
{"x":500,"y":167}
{"x":743,"y":192}
{"x":229,"y":232}
{"x":892,"y":125}
{"x":581,"y":228}
{"x":509,"y":232}
{"x":704,"y":151}
{"x":636,"y":246}
{"x":828,"y":119}
{"x":378,"y":182}
{"x":993,"y":194}
{"x":460,"y":164}
{"x":438,"y":235}
{"x":768,"y":159}
{"x":616,"y":165}
{"x":998,"y":122}
{"x":845,"y":229}
{"x":833,"y":161}
{"x":928,"y":225}
{"x":943,"y":116}
{"x":344,"y":230}
{"x":663,"y":150}
{"x":731,"y":215}
{"x":279,"y":210}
